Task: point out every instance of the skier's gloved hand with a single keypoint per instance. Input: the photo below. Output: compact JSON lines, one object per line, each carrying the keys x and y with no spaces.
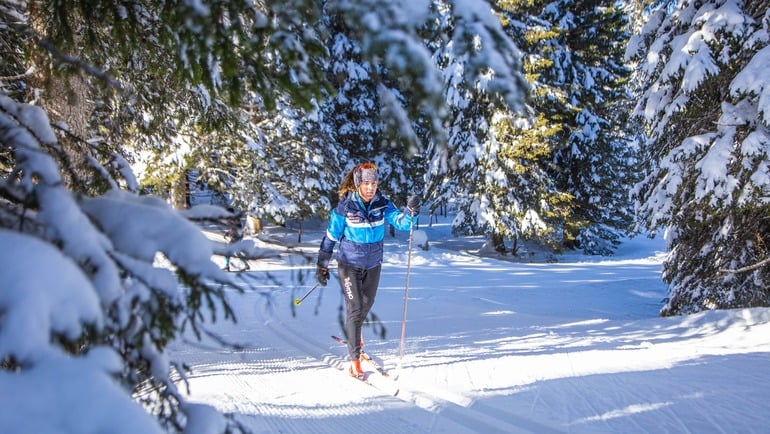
{"x":322,"y":274}
{"x":413,"y":204}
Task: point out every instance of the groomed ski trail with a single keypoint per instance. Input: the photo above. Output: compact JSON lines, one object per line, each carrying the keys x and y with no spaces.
{"x":447,"y":413}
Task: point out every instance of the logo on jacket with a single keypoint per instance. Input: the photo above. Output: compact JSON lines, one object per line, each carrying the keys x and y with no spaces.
{"x":353,"y":218}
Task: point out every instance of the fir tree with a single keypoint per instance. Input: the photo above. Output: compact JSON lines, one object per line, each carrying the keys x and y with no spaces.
{"x":702,"y":70}
{"x":470,"y":170}
{"x":575,"y":66}
{"x":599,"y":162}
{"x":355,"y":112}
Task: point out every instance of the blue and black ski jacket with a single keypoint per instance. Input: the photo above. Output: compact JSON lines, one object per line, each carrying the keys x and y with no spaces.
{"x":360,"y":230}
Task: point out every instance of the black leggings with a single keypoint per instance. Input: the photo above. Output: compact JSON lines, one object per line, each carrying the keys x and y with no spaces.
{"x":359,"y":287}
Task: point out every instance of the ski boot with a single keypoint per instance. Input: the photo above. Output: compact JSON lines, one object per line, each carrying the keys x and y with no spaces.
{"x":355,"y":369}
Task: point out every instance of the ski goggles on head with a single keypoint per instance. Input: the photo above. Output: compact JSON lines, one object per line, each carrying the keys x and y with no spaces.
{"x":366,"y":172}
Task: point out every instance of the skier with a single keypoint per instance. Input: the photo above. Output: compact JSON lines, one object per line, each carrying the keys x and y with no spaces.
{"x":234,"y":233}
{"x":358,"y":224}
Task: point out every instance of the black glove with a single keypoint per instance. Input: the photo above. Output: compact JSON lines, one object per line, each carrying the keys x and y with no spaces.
{"x":322,"y":274}
{"x":413,"y":204}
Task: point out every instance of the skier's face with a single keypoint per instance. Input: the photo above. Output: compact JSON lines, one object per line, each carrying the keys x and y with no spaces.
{"x":367,"y":189}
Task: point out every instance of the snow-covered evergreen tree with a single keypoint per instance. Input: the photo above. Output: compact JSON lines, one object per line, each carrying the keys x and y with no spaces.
{"x":574,"y":64}
{"x":704,"y":100}
{"x":134,"y":274}
{"x":278,"y":167}
{"x":470,"y":170}
{"x":594,"y":163}
{"x":355,"y":114}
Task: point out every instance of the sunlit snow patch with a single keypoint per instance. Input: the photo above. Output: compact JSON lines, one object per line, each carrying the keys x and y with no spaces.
{"x":499,"y":312}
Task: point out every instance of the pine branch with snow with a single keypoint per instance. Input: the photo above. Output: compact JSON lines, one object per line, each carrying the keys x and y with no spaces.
{"x":91,"y":287}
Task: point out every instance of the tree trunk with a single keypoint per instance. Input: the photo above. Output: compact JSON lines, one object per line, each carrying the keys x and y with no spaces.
{"x":65,"y":100}
{"x":179,"y":191}
{"x":498,"y":243}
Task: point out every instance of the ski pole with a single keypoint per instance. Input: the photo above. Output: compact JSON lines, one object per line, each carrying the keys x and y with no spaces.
{"x":406,"y":298}
{"x":297,"y":301}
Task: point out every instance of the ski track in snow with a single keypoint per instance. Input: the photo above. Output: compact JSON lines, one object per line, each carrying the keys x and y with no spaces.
{"x":266,"y":405}
{"x":487,"y":356}
{"x":465,"y":419}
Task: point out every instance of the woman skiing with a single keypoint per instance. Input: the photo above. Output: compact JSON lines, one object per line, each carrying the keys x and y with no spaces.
{"x":357,"y":223}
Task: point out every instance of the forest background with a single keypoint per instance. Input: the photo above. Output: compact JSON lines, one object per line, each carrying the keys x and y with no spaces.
{"x":570,"y":124}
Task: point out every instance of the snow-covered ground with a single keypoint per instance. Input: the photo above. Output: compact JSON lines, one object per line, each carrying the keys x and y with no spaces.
{"x":574,"y":346}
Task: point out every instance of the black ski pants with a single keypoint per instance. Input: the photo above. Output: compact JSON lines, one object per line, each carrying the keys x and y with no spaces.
{"x":359,"y":287}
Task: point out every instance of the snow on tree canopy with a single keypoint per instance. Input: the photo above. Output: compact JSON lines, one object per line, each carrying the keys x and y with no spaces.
{"x":70,"y":395}
{"x":38,"y":305}
{"x":30,"y":118}
{"x":130,"y":221}
{"x":754,"y":79}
